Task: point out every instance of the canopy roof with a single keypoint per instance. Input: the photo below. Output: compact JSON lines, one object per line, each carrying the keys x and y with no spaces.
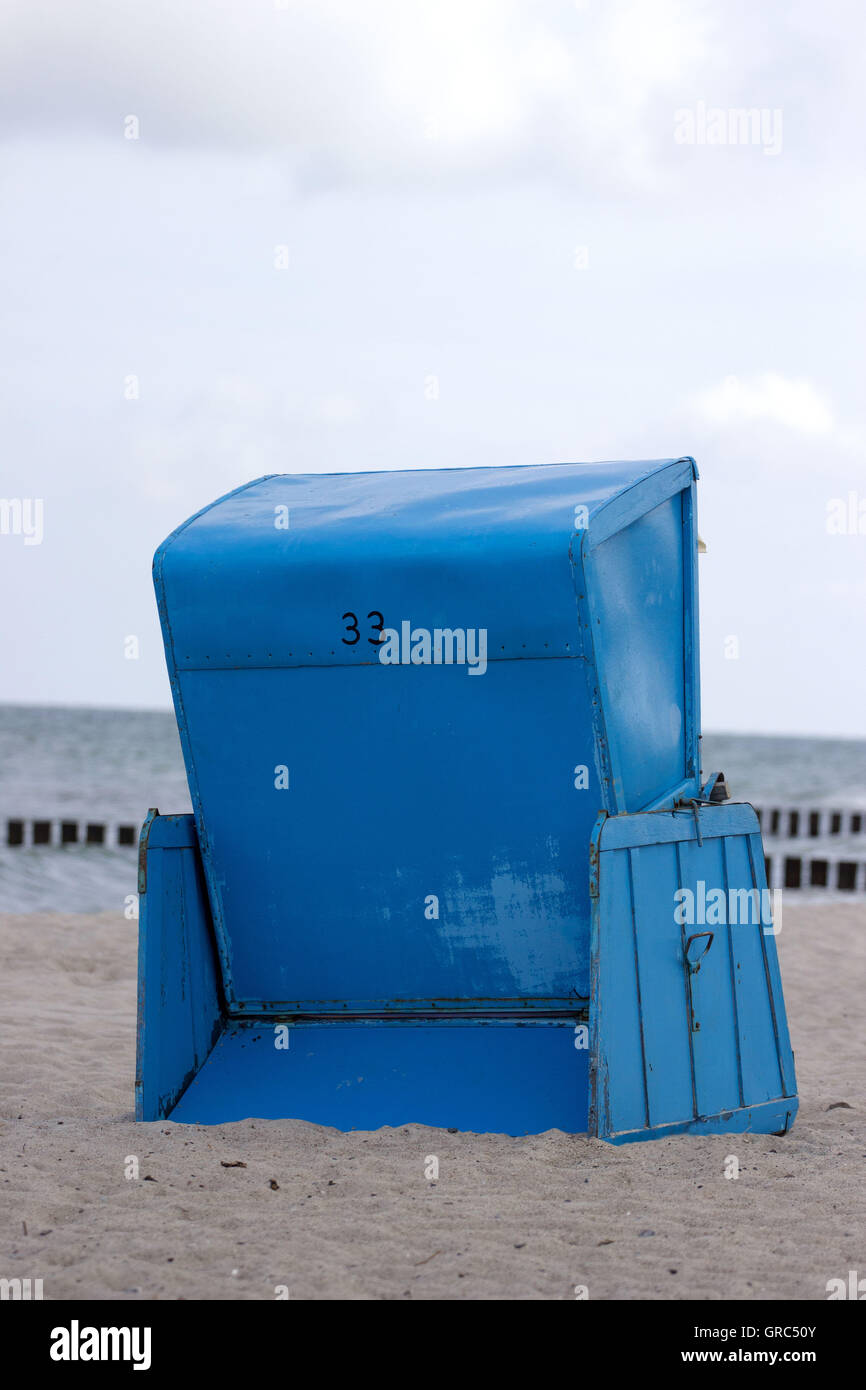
{"x":262,"y":576}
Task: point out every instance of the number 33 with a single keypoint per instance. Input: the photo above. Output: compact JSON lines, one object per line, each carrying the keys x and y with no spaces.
{"x":352,"y":626}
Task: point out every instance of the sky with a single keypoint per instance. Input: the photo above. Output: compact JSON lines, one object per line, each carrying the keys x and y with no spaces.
{"x":303,"y":236}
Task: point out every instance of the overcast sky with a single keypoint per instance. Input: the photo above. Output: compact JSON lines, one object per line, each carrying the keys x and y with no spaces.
{"x":328,"y":205}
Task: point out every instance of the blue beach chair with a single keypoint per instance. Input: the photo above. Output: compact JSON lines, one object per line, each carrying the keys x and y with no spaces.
{"x":452,"y":858}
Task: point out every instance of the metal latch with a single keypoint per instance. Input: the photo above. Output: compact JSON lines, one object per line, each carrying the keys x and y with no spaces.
{"x":694,"y":961}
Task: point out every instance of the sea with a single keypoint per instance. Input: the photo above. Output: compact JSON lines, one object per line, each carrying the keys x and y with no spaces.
{"x":109,"y":766}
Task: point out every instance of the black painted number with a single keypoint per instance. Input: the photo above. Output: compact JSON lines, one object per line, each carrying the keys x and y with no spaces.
{"x":352,"y":626}
{"x":377,"y":627}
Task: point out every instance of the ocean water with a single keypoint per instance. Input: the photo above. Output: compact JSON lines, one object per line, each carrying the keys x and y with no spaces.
{"x":109,"y":766}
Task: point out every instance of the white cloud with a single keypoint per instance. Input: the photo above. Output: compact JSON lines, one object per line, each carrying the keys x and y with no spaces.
{"x":373,"y":91}
{"x":796,"y":404}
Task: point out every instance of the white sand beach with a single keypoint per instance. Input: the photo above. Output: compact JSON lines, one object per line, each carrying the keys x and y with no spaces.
{"x":352,"y":1216}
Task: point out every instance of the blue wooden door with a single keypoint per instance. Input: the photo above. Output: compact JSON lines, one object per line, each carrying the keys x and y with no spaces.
{"x":687,"y":1017}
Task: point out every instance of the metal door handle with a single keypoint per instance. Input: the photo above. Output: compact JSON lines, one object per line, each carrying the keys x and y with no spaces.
{"x":694,"y":962}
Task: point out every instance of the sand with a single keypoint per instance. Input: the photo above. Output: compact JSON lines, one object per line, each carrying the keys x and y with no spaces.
{"x":352,"y":1216}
